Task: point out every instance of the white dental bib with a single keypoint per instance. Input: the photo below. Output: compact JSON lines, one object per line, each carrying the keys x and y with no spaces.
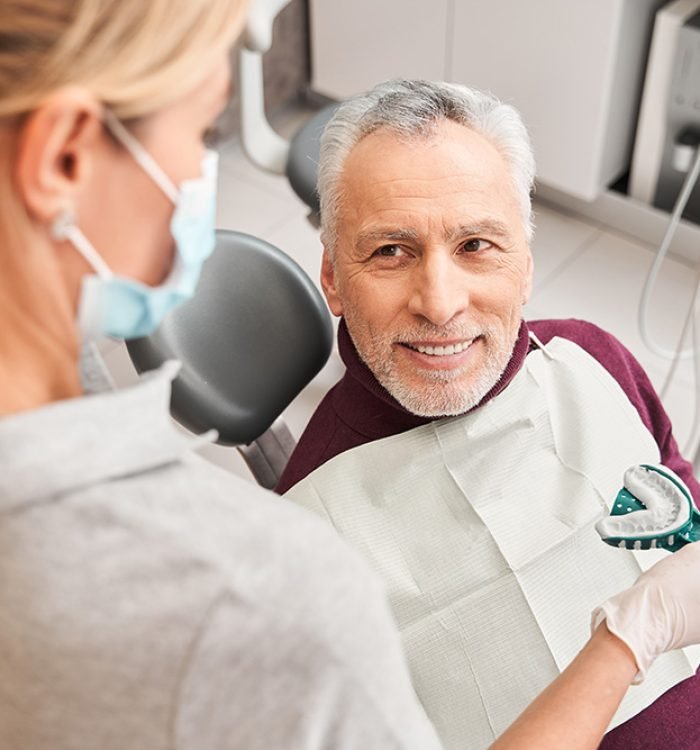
{"x":482,"y":528}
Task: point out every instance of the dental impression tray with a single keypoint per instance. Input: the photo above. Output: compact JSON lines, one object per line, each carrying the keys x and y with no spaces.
{"x":654,"y":509}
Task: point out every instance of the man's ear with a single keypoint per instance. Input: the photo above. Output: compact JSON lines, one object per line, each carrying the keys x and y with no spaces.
{"x":328,"y":284}
{"x":56,"y":150}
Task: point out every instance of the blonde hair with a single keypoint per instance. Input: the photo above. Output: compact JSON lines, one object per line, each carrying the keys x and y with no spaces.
{"x":135,"y":56}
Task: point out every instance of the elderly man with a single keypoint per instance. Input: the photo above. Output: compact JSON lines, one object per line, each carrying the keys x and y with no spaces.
{"x":466,"y":452}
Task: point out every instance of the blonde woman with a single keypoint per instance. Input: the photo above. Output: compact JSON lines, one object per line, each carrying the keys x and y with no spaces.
{"x":147,"y":599}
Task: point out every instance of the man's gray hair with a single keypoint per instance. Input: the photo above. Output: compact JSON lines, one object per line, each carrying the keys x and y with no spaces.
{"x":413,"y":109}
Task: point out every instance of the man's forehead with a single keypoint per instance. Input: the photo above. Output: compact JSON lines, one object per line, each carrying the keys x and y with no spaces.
{"x":382,"y":166}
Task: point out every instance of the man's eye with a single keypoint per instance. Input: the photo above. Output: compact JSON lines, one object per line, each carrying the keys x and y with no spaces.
{"x":473,"y":246}
{"x":389,"y":251}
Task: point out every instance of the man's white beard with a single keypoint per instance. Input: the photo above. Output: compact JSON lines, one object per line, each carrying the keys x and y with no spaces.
{"x":442,"y":398}
{"x":443,"y":393}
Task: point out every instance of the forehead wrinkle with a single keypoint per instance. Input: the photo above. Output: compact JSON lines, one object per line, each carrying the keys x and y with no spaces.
{"x":461,"y":182}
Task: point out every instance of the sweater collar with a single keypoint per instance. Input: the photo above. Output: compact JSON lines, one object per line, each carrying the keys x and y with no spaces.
{"x":369,"y":409}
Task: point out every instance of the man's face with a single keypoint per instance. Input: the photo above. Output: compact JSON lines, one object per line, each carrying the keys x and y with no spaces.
{"x":431,"y":266}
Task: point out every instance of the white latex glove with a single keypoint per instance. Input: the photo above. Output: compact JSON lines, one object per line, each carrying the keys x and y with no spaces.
{"x":660,"y":612}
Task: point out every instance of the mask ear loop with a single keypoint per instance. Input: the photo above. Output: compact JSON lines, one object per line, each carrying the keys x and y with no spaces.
{"x":149,"y":165}
{"x":64,"y":228}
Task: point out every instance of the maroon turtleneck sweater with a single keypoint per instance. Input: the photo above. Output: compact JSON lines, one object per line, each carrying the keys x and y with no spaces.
{"x":358,"y":410}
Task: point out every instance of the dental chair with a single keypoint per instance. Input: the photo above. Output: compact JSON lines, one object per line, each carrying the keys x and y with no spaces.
{"x":254,"y":335}
{"x":298,"y":157}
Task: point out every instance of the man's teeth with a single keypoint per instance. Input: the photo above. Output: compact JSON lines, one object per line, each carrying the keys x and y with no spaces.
{"x":442,"y":351}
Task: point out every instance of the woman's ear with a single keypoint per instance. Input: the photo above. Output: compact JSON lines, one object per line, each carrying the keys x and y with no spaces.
{"x":56,"y":149}
{"x":328,"y":284}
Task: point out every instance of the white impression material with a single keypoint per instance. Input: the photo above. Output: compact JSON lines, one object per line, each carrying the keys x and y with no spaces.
{"x":667,"y":507}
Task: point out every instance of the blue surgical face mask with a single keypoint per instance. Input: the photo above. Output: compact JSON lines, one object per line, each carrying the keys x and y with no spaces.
{"x":123,"y":308}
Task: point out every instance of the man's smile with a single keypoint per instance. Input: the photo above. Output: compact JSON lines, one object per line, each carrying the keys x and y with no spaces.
{"x":441,"y":349}
{"x":440,"y":354}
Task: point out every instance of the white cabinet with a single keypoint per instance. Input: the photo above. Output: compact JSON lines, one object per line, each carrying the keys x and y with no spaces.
{"x":574,"y":68}
{"x":355,"y":45}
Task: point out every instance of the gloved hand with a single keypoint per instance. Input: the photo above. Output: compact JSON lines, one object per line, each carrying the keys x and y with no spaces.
{"x":660,"y":612}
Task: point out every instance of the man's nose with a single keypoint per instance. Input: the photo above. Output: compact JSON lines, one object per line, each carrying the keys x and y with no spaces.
{"x":439,"y":291}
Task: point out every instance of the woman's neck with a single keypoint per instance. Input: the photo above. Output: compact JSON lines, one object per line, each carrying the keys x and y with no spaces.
{"x":35,"y":367}
{"x":39,"y":346}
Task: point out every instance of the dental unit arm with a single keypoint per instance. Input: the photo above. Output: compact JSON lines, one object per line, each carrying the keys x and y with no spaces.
{"x":260,"y":141}
{"x":654,"y":509}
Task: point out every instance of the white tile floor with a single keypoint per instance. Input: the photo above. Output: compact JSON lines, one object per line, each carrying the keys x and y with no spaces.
{"x":582,"y":270}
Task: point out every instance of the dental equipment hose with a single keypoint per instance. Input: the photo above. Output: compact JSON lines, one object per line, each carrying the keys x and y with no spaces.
{"x":687,"y":187}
